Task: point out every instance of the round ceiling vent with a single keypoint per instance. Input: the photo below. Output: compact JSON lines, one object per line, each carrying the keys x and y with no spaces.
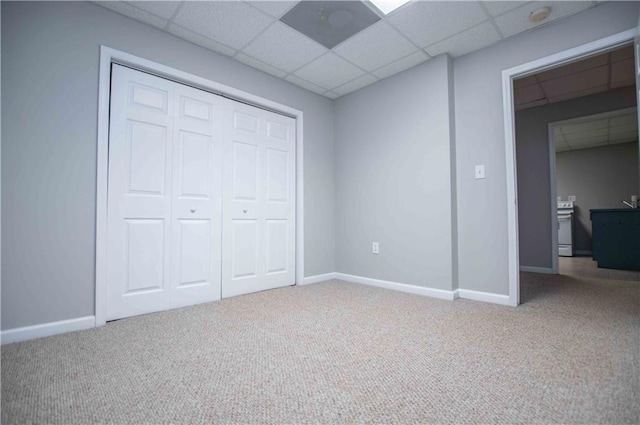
{"x":340,"y":18}
{"x":540,"y":14}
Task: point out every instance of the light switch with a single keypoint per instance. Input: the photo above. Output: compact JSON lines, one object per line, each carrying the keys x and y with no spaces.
{"x":375,"y":248}
{"x":479,"y":171}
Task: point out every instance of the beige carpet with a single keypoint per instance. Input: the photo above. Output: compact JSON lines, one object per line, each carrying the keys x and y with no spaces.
{"x":337,"y":352}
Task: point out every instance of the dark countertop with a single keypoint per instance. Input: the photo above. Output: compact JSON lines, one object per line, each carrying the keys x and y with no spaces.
{"x":617,"y":210}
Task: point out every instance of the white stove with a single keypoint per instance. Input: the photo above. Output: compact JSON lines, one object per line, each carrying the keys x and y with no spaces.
{"x":565,"y":228}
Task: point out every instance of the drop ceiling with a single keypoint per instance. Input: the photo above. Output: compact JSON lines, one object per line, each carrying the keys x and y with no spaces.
{"x":596,"y":74}
{"x":596,"y":132}
{"x":252,"y":33}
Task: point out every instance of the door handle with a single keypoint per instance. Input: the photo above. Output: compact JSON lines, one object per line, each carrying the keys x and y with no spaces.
{"x":244,"y":210}
{"x":193,"y":210}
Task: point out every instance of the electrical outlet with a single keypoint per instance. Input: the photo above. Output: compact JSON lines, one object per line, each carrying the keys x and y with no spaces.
{"x":572,"y":198}
{"x":375,"y":248}
{"x":479,"y":171}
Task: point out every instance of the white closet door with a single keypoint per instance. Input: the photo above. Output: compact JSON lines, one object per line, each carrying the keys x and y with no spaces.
{"x":258,"y":201}
{"x":139,"y":194}
{"x":197,"y":197}
{"x":164,"y":196}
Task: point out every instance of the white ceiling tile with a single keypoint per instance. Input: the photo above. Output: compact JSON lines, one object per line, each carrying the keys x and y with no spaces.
{"x":255,"y":63}
{"x":467,"y":41}
{"x":572,"y":68}
{"x":354,"y":85}
{"x":376,"y":46}
{"x":624,"y":120}
{"x":528,"y":94}
{"x":622,"y":71}
{"x":517,"y":20}
{"x":164,"y":9}
{"x":428,"y":22}
{"x":331,"y":95}
{"x":496,"y":8}
{"x":576,"y":138}
{"x":284,"y":48}
{"x":531,"y":104}
{"x":584,"y":127}
{"x":134,"y":13}
{"x":200,"y":40}
{"x":329,"y":71}
{"x":305,"y":84}
{"x":401,"y":64}
{"x":581,"y":93}
{"x":524,"y":82}
{"x":629,"y":136}
{"x":584,"y":80}
{"x":622,"y":53}
{"x":273,"y":8}
{"x":633,"y":128}
{"x":231,"y":23}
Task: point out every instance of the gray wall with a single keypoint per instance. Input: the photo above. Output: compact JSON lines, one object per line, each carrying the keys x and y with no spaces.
{"x":49,"y":105}
{"x":482,"y":204}
{"x":532,"y":158}
{"x":599,"y":178}
{"x":394,"y":178}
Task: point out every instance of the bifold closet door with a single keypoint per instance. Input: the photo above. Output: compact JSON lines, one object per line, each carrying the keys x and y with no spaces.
{"x":164,"y":195}
{"x":258,"y":201}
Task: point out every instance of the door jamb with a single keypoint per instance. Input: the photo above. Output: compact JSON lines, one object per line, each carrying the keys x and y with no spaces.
{"x":508,"y":75}
{"x":109,"y":56}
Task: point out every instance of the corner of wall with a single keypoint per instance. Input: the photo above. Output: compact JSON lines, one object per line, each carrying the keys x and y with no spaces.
{"x":454,"y":187}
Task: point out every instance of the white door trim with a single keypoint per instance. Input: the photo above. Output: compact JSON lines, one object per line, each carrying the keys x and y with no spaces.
{"x":109,"y":56}
{"x":508,"y":76}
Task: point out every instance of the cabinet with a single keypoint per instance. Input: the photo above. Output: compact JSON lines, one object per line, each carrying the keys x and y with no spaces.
{"x":616,"y":238}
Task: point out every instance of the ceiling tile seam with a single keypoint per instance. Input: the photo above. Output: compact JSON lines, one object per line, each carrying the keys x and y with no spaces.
{"x":402,"y":34}
{"x":454,"y":35}
{"x":351,"y":81}
{"x":265,"y":29}
{"x":491,"y":21}
{"x":175,"y":13}
{"x":144,"y":12}
{"x":275,"y":20}
{"x":203,"y":36}
{"x":429,"y":57}
{"x":609,"y":71}
{"x":324,"y":54}
{"x":293,"y":3}
{"x":234,"y":57}
{"x":306,"y":81}
{"x":515,"y":8}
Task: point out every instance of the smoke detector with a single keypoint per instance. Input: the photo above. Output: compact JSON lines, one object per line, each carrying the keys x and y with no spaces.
{"x":539,"y":15}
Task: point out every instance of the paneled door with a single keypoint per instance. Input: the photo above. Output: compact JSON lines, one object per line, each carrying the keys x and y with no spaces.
{"x":258,"y":201}
{"x":164,"y":195}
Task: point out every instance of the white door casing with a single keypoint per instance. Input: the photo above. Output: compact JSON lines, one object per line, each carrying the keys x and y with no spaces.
{"x":164,"y":195}
{"x":258,"y":201}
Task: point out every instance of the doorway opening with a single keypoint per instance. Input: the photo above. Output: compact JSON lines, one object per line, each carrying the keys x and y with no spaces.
{"x":525,"y":79}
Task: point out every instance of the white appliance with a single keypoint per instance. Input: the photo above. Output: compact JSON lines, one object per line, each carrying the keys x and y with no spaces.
{"x":565,"y":228}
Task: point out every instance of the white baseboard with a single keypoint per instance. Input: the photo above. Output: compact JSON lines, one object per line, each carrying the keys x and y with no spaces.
{"x":318,"y":278}
{"x":483,"y":296}
{"x":47,"y":329}
{"x":402,"y":287}
{"x":532,"y":269}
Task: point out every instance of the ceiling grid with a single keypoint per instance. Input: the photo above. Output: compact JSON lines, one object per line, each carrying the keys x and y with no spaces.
{"x":252,"y":33}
